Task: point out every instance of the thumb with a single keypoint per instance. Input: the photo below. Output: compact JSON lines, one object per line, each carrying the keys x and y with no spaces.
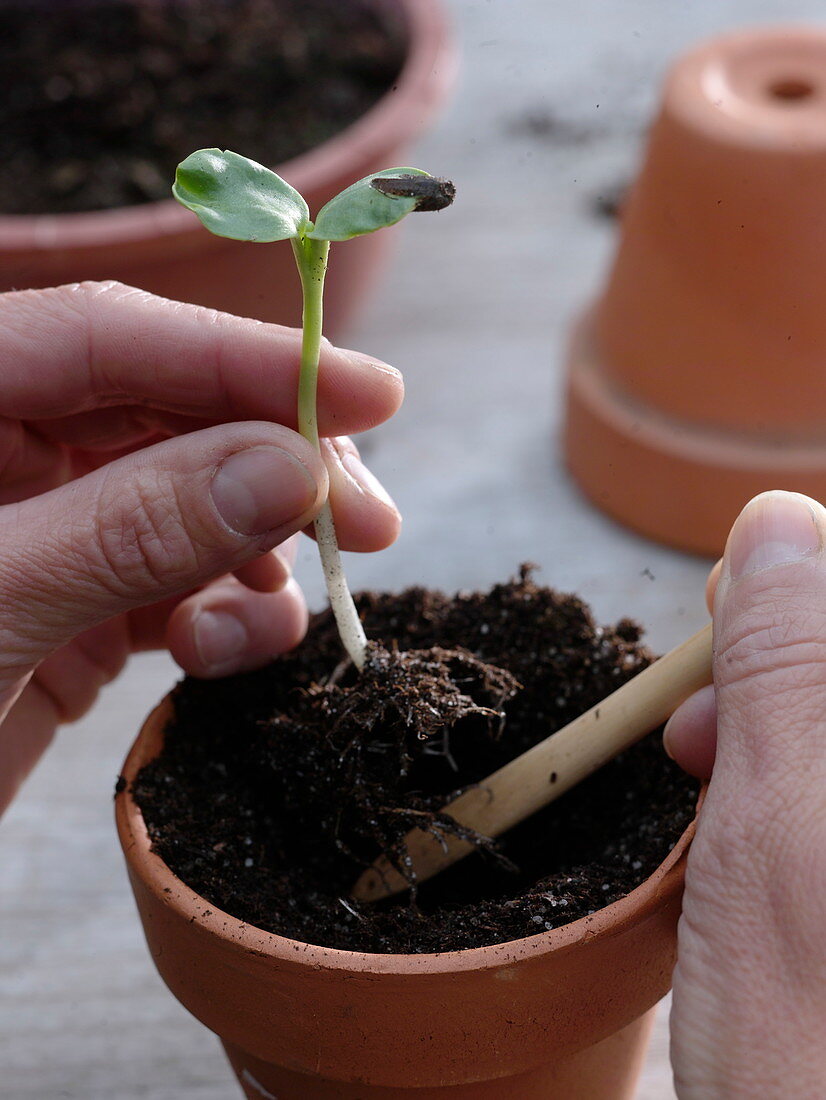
{"x":749,"y":1010}
{"x":770,"y":647}
{"x":152,"y":525}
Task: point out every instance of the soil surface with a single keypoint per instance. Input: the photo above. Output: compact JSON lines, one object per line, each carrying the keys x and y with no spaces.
{"x":276,"y":788}
{"x":101,"y":99}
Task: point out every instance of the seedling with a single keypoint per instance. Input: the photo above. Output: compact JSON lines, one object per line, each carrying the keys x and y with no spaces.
{"x":238,"y":198}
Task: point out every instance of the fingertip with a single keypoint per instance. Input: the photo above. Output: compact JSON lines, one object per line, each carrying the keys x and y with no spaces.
{"x":711,"y":584}
{"x":269,"y":573}
{"x":365,"y":515}
{"x":229,"y":629}
{"x":344,"y":374}
{"x":377,"y":369}
{"x":284,"y":620}
{"x":775,"y":529}
{"x":690,"y":735}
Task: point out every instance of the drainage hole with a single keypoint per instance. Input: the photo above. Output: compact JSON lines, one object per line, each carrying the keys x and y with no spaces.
{"x":791,"y":89}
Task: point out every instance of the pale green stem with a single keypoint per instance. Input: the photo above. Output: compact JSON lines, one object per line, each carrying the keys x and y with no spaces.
{"x":311,"y":258}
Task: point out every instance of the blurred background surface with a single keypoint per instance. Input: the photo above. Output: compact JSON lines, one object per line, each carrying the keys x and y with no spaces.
{"x":542,"y":136}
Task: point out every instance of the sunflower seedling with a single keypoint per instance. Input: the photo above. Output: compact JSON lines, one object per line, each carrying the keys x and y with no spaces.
{"x":238,"y":198}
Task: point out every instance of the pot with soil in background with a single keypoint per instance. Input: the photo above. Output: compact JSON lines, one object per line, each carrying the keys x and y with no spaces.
{"x":249,"y":806}
{"x":110,"y":114}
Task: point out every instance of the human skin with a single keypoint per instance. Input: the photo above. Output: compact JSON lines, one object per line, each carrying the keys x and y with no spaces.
{"x":149,"y":469}
{"x":749,"y":1006}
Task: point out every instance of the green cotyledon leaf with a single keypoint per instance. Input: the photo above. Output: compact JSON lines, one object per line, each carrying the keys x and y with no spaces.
{"x":379,"y":200}
{"x":239,"y":198}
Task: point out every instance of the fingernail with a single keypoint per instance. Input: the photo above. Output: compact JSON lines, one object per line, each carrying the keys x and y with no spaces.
{"x":220,"y":639}
{"x":667,"y":740}
{"x":366,"y":480}
{"x":281,"y":571}
{"x":360,"y":360}
{"x":262,"y":488}
{"x":285,"y":564}
{"x":775,"y":528}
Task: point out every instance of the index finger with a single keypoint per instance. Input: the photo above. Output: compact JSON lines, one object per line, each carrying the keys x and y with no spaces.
{"x":86,"y":346}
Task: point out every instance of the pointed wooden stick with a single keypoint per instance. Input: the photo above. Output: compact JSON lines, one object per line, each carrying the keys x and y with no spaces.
{"x":552,"y":767}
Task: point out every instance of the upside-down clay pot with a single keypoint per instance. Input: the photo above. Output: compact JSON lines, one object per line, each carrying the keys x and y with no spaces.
{"x":564,"y":1014}
{"x":698,"y":379}
{"x":162,"y":247}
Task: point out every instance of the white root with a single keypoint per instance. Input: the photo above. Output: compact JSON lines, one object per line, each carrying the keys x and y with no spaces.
{"x":344,"y":610}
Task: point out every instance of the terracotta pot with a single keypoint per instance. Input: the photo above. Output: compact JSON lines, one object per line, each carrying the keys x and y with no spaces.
{"x":699,"y":378}
{"x":562,"y":1014}
{"x":163,"y":248}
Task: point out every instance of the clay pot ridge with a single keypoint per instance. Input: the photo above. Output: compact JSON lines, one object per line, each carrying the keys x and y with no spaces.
{"x":513,"y":1019}
{"x":187,"y":903}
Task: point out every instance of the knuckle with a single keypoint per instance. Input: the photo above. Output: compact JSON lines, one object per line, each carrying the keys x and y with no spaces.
{"x":218,"y":352}
{"x":779,"y":644}
{"x":73,"y":676}
{"x":104,"y":650}
{"x":12,"y":449}
{"x":770,"y":676}
{"x":91,"y":288}
{"x":86,"y":301}
{"x":764,"y":857}
{"x":142,"y":540}
{"x":67,"y":298}
{"x":84,"y":298}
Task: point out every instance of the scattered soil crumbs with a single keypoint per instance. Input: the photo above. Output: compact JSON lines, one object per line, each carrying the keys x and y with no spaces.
{"x":543,"y":126}
{"x":276,"y":788}
{"x":609,"y":201}
{"x":102,"y":98}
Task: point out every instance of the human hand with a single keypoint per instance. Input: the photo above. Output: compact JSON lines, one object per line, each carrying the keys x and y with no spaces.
{"x":749,"y":1007}
{"x":146,"y":449}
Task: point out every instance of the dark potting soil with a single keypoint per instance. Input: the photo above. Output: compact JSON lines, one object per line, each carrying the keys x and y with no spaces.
{"x":102,"y":98}
{"x":276,"y":788}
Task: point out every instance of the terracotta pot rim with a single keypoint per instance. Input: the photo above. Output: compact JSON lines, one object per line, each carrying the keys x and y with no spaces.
{"x":426,"y":76}
{"x":705,"y":85}
{"x":189,"y":905}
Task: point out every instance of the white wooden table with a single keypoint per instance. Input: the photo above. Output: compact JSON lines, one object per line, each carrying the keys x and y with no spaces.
{"x":482,"y":298}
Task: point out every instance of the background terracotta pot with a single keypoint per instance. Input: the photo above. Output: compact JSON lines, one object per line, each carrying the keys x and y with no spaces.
{"x":699,"y":378}
{"x":563,"y":1014}
{"x":162,"y":247}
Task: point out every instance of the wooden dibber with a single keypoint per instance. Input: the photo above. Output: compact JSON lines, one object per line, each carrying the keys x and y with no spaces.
{"x":552,"y":767}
